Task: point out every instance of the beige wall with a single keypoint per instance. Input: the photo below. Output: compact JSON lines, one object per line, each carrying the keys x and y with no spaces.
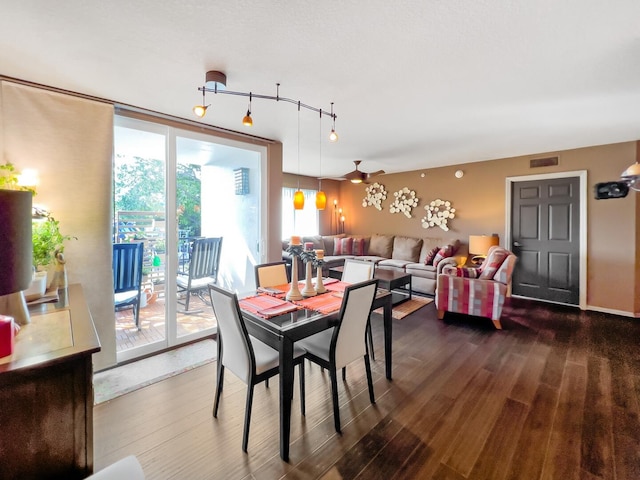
{"x":479,"y":198}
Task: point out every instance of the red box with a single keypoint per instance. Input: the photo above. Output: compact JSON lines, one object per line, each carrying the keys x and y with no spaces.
{"x":7,"y":335}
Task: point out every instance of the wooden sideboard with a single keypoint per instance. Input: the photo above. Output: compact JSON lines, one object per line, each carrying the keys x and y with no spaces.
{"x":46,"y":393}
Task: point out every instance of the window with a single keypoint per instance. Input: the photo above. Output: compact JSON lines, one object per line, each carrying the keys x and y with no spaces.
{"x":299,"y":222}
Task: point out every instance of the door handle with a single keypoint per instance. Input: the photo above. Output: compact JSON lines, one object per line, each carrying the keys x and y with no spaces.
{"x":517,"y":244}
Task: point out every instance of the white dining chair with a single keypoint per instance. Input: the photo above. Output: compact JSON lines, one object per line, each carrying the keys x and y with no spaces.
{"x":338,"y":346}
{"x":251,"y":360}
{"x":355,"y":271}
{"x":126,"y":468}
{"x":271,"y":274}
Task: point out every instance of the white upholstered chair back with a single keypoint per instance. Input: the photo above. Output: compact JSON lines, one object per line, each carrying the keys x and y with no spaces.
{"x":270,"y":275}
{"x":355,"y":271}
{"x":354,"y":314}
{"x":237,"y":355}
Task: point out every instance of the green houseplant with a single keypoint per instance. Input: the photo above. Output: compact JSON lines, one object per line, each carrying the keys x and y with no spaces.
{"x":47,"y":241}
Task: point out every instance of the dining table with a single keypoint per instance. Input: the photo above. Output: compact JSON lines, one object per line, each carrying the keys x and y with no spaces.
{"x":279,"y":323}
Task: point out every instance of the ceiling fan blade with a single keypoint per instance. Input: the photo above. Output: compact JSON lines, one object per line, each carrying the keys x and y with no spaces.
{"x":373,"y":174}
{"x":356,"y":174}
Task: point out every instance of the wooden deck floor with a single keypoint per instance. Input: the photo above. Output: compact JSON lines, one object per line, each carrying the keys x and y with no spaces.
{"x":152,"y":323}
{"x":555,"y":395}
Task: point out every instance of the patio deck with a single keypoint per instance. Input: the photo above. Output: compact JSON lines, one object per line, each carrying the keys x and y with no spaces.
{"x":152,"y":323}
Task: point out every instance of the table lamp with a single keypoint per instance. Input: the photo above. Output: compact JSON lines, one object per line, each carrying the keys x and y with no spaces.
{"x":16,"y":250}
{"x":479,"y":246}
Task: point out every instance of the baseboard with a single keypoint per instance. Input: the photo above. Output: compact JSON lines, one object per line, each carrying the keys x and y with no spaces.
{"x":613,"y":311}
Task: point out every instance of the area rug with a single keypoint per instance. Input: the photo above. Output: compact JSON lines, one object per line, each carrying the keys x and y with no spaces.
{"x":117,"y":381}
{"x":405,"y":308}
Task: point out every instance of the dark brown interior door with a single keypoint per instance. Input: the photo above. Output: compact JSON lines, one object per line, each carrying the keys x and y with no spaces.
{"x":546,"y":240}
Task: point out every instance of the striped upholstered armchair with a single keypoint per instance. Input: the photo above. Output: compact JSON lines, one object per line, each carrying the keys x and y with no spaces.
{"x":477,"y":291}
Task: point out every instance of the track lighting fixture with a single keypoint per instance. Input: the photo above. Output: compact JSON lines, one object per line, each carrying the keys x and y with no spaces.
{"x":201,"y":110}
{"x":215,"y":82}
{"x":247,"y":121}
{"x":333,"y":136}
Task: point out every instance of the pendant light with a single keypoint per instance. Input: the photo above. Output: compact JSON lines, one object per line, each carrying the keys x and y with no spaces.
{"x":333,"y":136}
{"x":247,"y":121}
{"x":321,"y":197}
{"x":298,"y":196}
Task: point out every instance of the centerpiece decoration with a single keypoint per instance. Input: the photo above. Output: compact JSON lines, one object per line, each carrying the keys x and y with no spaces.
{"x":308,"y":255}
{"x":318,"y":262}
{"x":294,"y":249}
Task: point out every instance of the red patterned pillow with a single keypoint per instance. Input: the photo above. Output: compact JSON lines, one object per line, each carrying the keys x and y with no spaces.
{"x":343,"y":246}
{"x":444,"y":252}
{"x":463,"y":272}
{"x":493,"y":262}
{"x":428,"y":260}
{"x":358,"y":246}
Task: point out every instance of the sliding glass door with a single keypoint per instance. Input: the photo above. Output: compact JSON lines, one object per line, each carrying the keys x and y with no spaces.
{"x":173,"y":188}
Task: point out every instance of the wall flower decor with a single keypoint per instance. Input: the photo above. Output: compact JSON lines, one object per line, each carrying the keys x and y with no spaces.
{"x":404,"y":202}
{"x":439,"y":212}
{"x":375,"y":194}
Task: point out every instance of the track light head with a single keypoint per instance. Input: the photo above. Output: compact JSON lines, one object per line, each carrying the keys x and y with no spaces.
{"x":200,"y":110}
{"x":333,"y":136}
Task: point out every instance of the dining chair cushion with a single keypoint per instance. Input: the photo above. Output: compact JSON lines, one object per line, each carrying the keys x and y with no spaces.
{"x":271,"y":275}
{"x":267,"y":357}
{"x":183,"y":281}
{"x":124,"y":297}
{"x":318,"y":344}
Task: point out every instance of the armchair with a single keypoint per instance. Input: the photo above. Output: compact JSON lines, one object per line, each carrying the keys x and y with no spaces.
{"x":477,"y":291}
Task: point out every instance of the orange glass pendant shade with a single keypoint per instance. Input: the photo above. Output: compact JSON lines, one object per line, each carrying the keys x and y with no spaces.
{"x":298,"y":200}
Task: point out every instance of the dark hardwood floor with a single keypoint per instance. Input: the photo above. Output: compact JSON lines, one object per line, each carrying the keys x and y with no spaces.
{"x":554,"y":395}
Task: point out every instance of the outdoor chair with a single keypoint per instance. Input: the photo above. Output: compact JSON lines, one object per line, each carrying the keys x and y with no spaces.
{"x":338,"y":346}
{"x":251,"y":360}
{"x":202,"y":270}
{"x":127,"y":277}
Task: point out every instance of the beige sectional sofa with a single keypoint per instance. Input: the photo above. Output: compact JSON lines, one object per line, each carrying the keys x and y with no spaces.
{"x":392,"y":252}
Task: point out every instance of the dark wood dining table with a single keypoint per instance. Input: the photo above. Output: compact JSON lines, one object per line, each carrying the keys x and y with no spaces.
{"x":280,"y":332}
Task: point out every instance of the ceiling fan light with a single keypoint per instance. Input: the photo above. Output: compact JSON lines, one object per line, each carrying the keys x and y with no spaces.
{"x":321,"y":200}
{"x":632,"y":172}
{"x":200,"y":110}
{"x":298,"y":200}
{"x":356,"y":180}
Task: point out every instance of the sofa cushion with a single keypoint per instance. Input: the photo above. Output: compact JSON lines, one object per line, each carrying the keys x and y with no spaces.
{"x":381,"y":246}
{"x":428,"y":260}
{"x":358,"y":246}
{"x":371,"y":258}
{"x":421,"y":270}
{"x":328,"y":242}
{"x":343,"y":246}
{"x":444,"y":252}
{"x":394,"y":263}
{"x":318,"y":244}
{"x":406,"y":248}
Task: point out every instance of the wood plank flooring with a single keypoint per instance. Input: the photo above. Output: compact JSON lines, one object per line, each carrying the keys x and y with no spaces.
{"x":555,"y":395}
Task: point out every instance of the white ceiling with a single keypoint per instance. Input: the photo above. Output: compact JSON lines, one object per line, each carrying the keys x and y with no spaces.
{"x":416,"y":83}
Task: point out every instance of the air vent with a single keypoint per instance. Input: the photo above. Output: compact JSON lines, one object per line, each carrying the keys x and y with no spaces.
{"x":543,"y":162}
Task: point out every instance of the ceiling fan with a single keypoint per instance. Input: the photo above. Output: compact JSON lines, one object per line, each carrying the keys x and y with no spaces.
{"x":358,"y":176}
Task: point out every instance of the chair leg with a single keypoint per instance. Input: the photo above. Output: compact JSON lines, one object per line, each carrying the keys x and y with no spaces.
{"x":367,"y":366}
{"x":334,"y":396}
{"x":344,"y":374}
{"x":247,"y":417}
{"x":186,"y":301}
{"x":302,"y":388}
{"x":370,"y":339}
{"x":266,"y":383}
{"x":219,"y":384}
{"x":497,"y":324}
{"x":440,"y":314}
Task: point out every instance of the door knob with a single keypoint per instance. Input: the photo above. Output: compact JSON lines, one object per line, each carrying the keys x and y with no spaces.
{"x":517,"y":244}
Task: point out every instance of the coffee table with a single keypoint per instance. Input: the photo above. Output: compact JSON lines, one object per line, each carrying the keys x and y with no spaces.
{"x":389,"y":280}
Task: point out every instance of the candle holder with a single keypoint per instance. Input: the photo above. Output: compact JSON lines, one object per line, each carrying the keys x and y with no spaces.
{"x":294,"y":292}
{"x":318,"y":263}
{"x":308,"y":256}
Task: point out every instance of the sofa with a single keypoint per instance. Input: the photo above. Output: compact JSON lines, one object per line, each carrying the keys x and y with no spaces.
{"x":423,"y":258}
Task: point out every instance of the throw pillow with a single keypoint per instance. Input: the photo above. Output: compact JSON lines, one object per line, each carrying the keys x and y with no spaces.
{"x":428,"y":260}
{"x":461,"y":271}
{"x":444,"y":252}
{"x":358,"y":246}
{"x":492,"y":263}
{"x":343,"y":246}
{"x":381,"y":245}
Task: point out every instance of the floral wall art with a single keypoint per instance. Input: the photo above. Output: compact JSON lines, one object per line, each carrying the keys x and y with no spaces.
{"x":404,"y":202}
{"x":438,"y":214}
{"x":375,"y":194}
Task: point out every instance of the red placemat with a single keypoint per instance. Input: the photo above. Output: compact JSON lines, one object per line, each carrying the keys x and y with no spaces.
{"x":325,"y":303}
{"x":266,"y":305}
{"x":337,"y":286}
